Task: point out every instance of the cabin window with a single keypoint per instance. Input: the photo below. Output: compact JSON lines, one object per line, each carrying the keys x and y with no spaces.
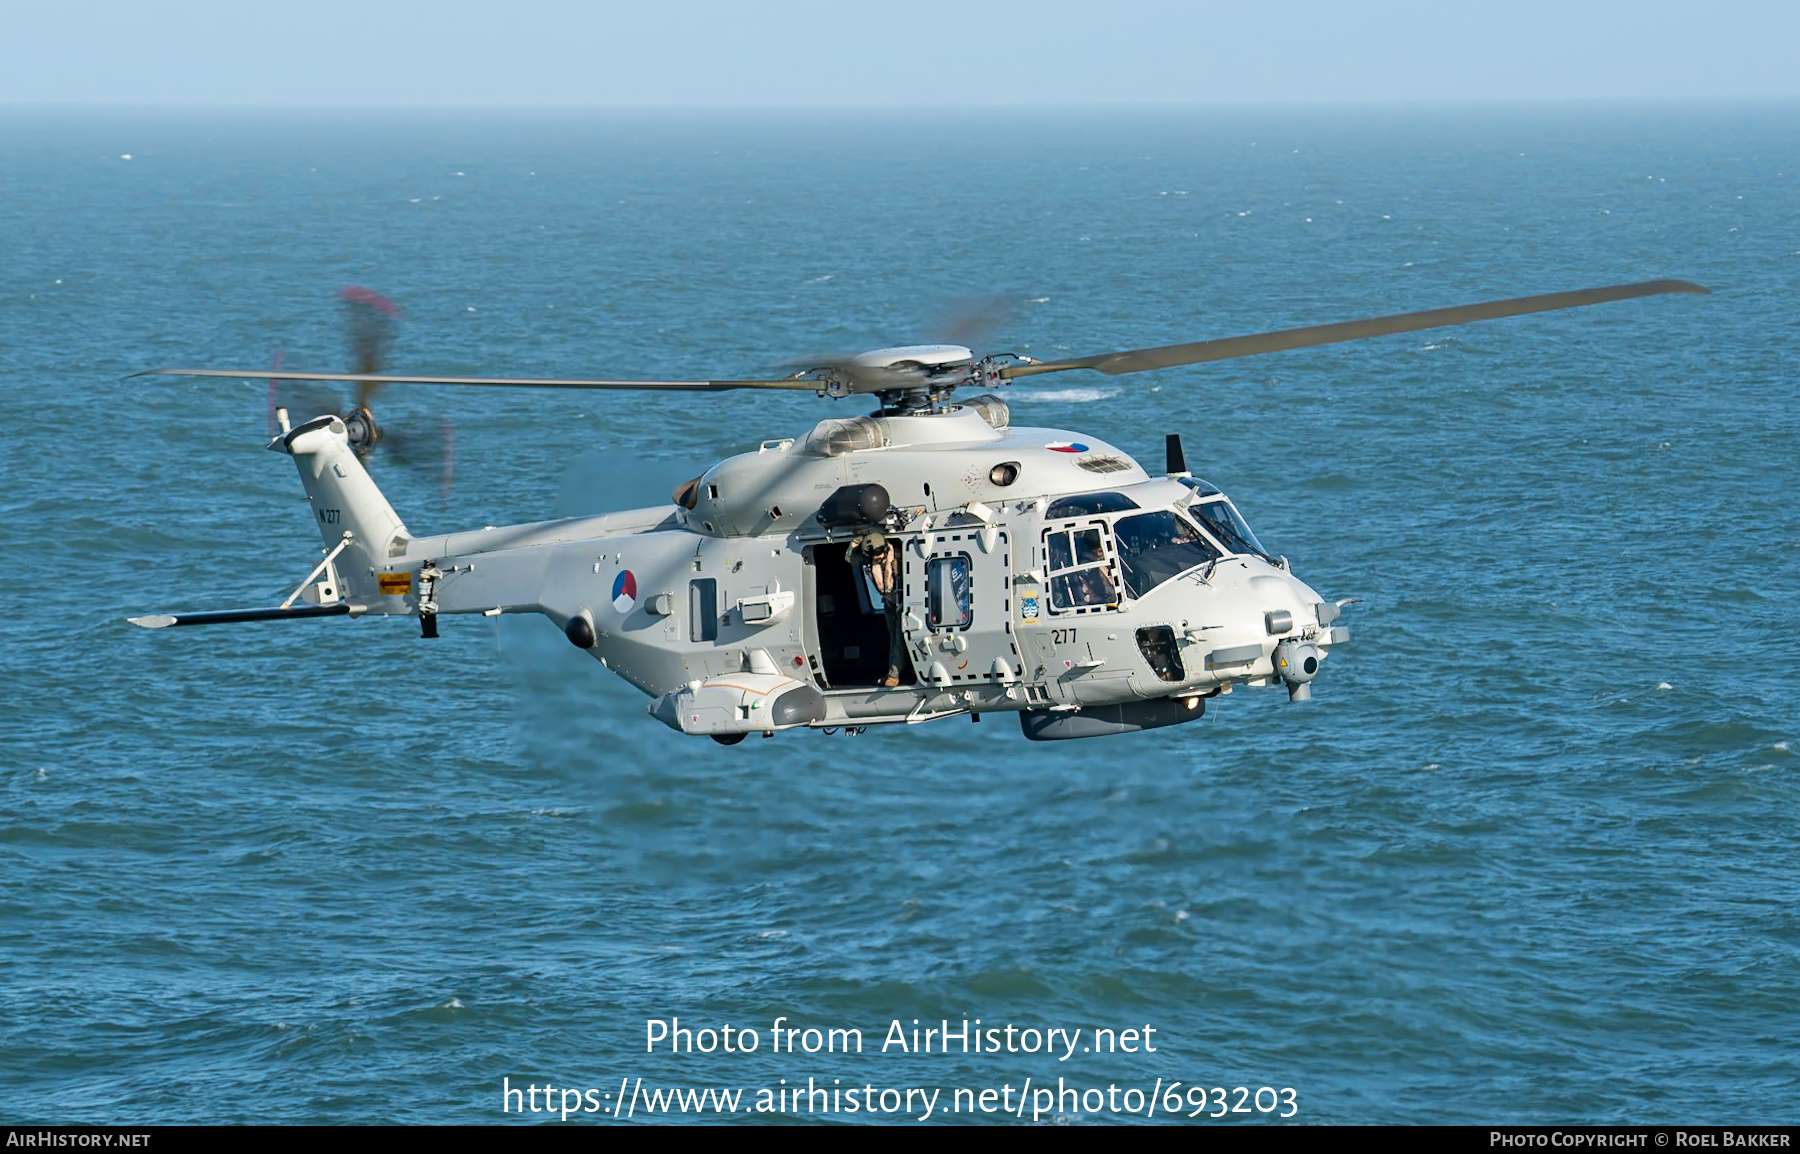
{"x":949,"y":601}
{"x":703,"y":609}
{"x":1088,"y":505}
{"x":1155,"y":547}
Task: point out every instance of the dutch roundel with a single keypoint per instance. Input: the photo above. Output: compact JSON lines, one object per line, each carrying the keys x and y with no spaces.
{"x":624,"y":591}
{"x":1066,"y":447}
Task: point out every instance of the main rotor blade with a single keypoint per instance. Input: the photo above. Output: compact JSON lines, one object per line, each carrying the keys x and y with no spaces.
{"x":1227,"y":348}
{"x":502,"y":382}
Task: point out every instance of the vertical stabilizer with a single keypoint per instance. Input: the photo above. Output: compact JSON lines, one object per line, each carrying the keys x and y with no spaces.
{"x":345,"y":498}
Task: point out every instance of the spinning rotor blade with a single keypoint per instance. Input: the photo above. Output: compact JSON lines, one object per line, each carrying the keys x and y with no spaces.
{"x":429,"y":454}
{"x":509,"y":382}
{"x":371,"y":319}
{"x":305,"y":403}
{"x":1227,"y":348}
{"x":969,"y":321}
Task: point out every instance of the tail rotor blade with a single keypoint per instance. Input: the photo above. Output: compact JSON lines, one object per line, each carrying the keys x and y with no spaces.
{"x":427,"y":454}
{"x":303,"y":402}
{"x":371,"y":319}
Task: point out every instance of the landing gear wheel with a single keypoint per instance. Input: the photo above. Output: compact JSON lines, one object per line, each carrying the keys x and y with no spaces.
{"x":728,"y":738}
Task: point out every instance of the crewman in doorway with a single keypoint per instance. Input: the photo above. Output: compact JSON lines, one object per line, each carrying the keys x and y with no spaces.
{"x":878,"y":556}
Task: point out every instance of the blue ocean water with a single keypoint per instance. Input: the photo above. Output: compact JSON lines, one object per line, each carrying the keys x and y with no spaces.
{"x":1527,"y":856}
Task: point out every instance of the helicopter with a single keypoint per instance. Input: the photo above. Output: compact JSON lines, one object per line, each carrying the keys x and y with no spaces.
{"x":924,"y":561}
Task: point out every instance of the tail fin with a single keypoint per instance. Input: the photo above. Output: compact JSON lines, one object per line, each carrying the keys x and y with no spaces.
{"x":345,"y":499}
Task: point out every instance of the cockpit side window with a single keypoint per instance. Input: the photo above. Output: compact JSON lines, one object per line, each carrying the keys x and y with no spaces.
{"x":1155,"y":547}
{"x":1080,"y":569}
{"x":1222,"y":521}
{"x":1083,"y":589}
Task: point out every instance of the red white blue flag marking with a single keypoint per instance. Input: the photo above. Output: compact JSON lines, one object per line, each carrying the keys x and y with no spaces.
{"x":624,"y":591}
{"x":1066,"y":447}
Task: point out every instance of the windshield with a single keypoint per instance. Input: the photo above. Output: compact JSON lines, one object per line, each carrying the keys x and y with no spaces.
{"x":1223,"y":522}
{"x":1154,"y":547}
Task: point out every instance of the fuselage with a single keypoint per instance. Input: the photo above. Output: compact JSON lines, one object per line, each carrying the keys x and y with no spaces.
{"x":1042,"y":571}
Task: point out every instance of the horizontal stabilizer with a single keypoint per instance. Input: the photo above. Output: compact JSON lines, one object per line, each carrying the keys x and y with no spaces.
{"x":227,"y":616}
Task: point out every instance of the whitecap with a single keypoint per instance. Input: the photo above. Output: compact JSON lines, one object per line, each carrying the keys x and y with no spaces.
{"x":125,"y":156}
{"x":1181,"y":915}
{"x":43,"y":774}
{"x":821,"y":279}
{"x":1428,"y":348}
{"x":1075,"y":396}
{"x":773,"y":934}
{"x":1664,"y":685}
{"x":471,"y":308}
{"x":452,"y":1004}
{"x":1781,"y":745}
{"x":1038,"y":300}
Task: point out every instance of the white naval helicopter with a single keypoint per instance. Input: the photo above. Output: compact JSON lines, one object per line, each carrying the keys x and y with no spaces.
{"x":1043,"y":572}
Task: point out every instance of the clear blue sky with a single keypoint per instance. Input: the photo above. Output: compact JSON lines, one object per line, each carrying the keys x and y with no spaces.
{"x":901,"y":53}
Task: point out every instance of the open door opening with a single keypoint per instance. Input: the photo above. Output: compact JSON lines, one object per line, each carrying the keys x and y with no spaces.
{"x":852,"y":626}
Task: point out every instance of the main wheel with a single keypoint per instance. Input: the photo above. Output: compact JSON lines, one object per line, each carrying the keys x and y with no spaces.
{"x":728,"y":738}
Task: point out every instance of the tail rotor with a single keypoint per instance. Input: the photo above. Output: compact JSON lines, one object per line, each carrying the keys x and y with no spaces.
{"x":371,"y":322}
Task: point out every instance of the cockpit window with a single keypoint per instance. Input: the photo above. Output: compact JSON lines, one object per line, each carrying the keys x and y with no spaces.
{"x":1080,"y":569}
{"x":1223,"y":522}
{"x":1153,"y":547}
{"x":1201,"y":488}
{"x":1088,"y":504}
{"x":1083,"y":587}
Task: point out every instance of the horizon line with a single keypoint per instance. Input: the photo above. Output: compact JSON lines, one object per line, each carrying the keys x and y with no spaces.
{"x":1410,"y":103}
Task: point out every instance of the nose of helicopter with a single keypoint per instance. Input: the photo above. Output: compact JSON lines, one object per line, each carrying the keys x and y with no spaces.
{"x":1291,"y":613}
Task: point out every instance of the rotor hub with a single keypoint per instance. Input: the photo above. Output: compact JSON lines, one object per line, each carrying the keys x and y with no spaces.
{"x":361,"y":430}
